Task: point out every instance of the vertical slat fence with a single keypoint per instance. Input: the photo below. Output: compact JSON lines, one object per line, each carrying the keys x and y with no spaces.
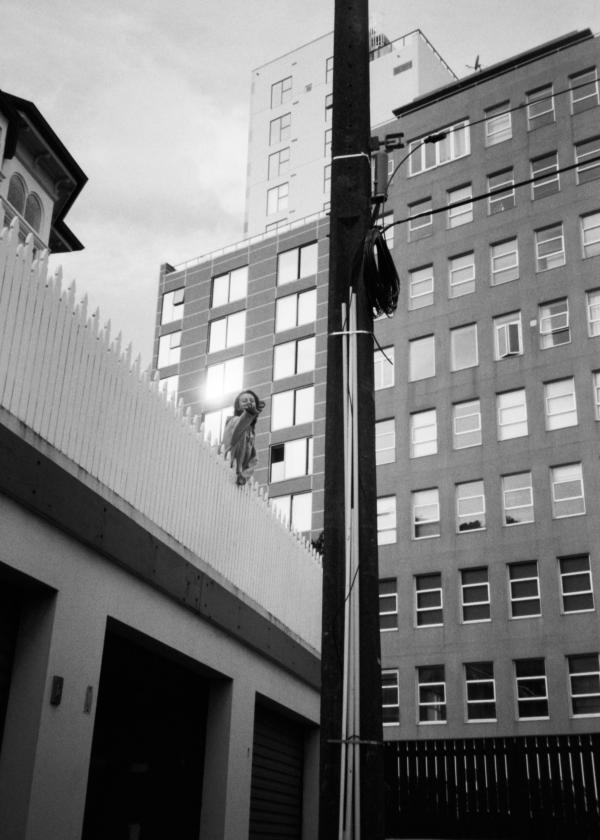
{"x":63,"y":377}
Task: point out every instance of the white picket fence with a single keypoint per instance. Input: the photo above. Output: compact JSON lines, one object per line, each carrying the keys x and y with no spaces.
{"x":64,"y":378}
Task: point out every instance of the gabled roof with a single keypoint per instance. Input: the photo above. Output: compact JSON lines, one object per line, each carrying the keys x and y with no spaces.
{"x":27,"y":125}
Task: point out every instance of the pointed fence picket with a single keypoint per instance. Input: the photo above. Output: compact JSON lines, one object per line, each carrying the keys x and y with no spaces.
{"x":63,"y":376}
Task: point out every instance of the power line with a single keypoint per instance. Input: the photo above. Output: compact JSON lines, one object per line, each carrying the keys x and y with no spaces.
{"x":482,"y":196}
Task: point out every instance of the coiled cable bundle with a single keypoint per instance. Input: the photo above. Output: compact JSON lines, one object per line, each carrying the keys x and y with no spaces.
{"x":381,"y":279}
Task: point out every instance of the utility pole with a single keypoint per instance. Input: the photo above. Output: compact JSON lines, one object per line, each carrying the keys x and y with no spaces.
{"x":351,"y":766}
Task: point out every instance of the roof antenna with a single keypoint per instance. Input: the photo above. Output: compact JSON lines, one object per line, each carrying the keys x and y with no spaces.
{"x":476,"y":66}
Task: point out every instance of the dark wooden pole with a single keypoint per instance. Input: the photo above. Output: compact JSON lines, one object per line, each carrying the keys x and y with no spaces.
{"x":350,"y":214}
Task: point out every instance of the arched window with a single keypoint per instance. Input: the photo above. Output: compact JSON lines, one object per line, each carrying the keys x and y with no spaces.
{"x":33,"y":211}
{"x":17,"y":192}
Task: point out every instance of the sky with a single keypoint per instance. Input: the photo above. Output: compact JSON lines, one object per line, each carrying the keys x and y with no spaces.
{"x":152,"y":100}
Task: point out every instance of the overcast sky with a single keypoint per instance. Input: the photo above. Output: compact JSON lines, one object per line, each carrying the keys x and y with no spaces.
{"x":152,"y":98}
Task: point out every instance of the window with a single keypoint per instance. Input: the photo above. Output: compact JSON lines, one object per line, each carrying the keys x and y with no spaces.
{"x":229,"y":287}
{"x":466,"y":424}
{"x":584,"y":90}
{"x":461,"y":275}
{"x":553,"y":319}
{"x":567,"y":491}
{"x":390,"y":698}
{"x":386,"y":520}
{"x":584,"y":682}
{"x":498,"y":124}
{"x":511,"y":411}
{"x":290,"y":408}
{"x":420,"y":287}
{"x":383,"y":368}
{"x":291,"y":459}
{"x":504,"y":262}
{"x":432,"y":694}
{"x":279,"y":163}
{"x":587,"y":170}
{"x":280,"y":129}
{"x":33,"y":212}
{"x":470,"y":506}
{"x":455,"y":144}
{"x":169,"y":385}
{"x":590,"y":235}
{"x":463,"y":347}
{"x":560,"y":404}
{"x":545,"y":170}
{"x":172,"y":306}
{"x":328,"y":69}
{"x":425,"y":513}
{"x":540,"y":107}
{"x":507,"y":335}
{"x":596,"y":386}
{"x":386,"y":220}
{"x":327,"y":149}
{"x":524,"y":590}
{"x":517,"y":498}
{"x":480,"y":691}
{"x":423,"y":433}
{"x":297,"y":263}
{"x":593,"y":312}
{"x":388,"y":605}
{"x":296,"y":510}
{"x":502,"y":184}
{"x":475,"y":595}
{"x":227,"y":332}
{"x":328,"y":106}
{"x":385,"y":442}
{"x":295,"y":310}
{"x":576,"y":589}
{"x":294,"y":357}
{"x":421,"y":358}
{"x":214,"y":424}
{"x":420,"y":223}
{"x":549,"y":248}
{"x":169,"y":349}
{"x":532,"y":688}
{"x":327,"y":179}
{"x":277,"y":199}
{"x":17,"y":193}
{"x":462,"y":214}
{"x":429,"y":606}
{"x":281,"y":91}
{"x":224,"y":378}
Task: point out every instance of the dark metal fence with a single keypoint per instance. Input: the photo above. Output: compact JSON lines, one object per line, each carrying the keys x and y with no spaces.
{"x":522,"y":787}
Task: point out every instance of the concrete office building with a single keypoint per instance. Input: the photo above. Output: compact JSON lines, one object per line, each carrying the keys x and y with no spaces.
{"x":488,"y":420}
{"x":289,"y":143}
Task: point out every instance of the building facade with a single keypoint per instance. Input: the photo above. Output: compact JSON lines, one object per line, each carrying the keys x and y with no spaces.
{"x":39,"y":178}
{"x":289,"y":144}
{"x":488,"y":406}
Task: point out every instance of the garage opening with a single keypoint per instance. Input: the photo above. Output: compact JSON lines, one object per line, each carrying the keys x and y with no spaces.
{"x":145,"y":779}
{"x":277,"y":776}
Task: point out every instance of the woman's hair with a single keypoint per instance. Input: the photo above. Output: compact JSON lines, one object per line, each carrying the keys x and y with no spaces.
{"x":237,"y":408}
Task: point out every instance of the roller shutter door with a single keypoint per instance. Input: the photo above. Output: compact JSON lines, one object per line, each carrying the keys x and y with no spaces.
{"x":277,"y":766}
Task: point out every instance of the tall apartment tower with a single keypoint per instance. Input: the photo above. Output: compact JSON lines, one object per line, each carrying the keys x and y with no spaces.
{"x":289,"y":145}
{"x":487,"y":395}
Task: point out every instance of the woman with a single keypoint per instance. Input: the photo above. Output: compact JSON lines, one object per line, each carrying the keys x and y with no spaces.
{"x":238,"y":437}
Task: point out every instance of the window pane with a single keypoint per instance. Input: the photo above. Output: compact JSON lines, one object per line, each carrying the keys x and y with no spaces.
{"x":423,"y":434}
{"x":385,"y":442}
{"x":421,"y":352}
{"x":512,"y":414}
{"x":517,"y":495}
{"x":466,"y":425}
{"x":463,"y":344}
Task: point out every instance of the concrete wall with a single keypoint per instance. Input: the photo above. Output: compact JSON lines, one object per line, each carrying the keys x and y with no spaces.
{"x":46,"y":749}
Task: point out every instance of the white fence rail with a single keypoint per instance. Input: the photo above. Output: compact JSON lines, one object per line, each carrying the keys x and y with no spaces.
{"x":61,"y":375}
